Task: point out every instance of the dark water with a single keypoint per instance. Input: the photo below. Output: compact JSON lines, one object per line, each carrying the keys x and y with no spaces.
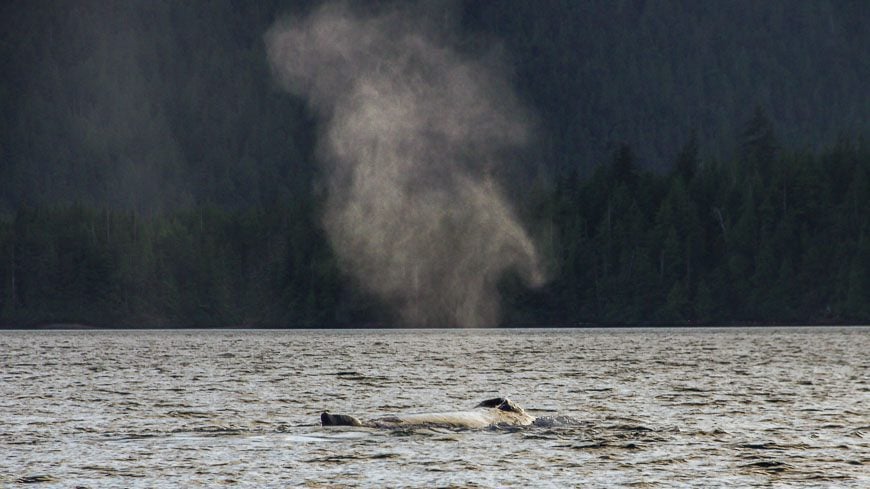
{"x":643,"y":408}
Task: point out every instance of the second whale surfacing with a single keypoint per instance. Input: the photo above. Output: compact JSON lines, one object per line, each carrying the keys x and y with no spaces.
{"x":492,"y":412}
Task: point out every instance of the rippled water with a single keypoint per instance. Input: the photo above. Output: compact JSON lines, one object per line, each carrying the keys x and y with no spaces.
{"x":668,"y":407}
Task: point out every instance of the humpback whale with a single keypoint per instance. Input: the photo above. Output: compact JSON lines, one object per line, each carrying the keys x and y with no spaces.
{"x":491,"y":412}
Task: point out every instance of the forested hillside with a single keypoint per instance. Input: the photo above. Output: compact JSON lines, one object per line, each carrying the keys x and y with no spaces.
{"x":691,"y":161}
{"x":776,"y":236}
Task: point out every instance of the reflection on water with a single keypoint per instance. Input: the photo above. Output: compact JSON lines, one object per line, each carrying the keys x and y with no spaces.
{"x":690,"y":407}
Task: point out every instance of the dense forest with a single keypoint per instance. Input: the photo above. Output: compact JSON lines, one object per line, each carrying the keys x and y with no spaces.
{"x":690,"y":164}
{"x":774,"y":236}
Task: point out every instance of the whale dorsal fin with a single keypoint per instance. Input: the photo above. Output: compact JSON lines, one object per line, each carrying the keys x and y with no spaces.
{"x":509,"y":405}
{"x":492,"y":403}
{"x":502,"y":403}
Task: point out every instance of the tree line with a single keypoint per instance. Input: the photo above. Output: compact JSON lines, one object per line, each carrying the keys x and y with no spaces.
{"x":771,"y":236}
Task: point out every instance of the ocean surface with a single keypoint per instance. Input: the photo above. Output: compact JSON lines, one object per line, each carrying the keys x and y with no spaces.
{"x":783,"y":407}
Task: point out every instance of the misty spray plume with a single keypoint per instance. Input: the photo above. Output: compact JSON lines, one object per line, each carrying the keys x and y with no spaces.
{"x":411,"y":132}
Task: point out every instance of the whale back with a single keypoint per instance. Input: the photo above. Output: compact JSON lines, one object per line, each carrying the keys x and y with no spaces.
{"x":491,"y":412}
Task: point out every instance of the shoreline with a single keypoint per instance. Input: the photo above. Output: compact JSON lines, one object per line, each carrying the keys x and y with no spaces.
{"x":643,"y":325}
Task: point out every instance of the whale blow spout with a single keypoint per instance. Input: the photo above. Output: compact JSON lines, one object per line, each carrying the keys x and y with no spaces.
{"x":491,"y":412}
{"x":415,"y":134}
